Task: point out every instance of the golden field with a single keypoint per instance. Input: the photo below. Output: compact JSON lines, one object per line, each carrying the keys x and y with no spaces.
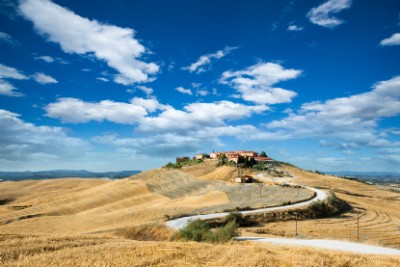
{"x":81,"y":222}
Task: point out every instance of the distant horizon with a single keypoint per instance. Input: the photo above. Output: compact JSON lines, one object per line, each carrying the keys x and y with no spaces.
{"x":116,"y":85}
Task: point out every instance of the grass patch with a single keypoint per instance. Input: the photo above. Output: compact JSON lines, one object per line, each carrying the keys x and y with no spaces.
{"x":150,"y":232}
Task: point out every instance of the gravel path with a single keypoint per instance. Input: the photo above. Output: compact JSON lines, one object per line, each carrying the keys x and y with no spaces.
{"x":327,"y":244}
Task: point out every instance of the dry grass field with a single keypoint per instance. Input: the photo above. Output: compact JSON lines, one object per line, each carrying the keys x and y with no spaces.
{"x":16,"y":250}
{"x":90,"y":222}
{"x":80,"y":206}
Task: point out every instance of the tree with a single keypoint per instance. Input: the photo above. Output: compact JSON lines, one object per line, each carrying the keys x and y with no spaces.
{"x":262,"y":154}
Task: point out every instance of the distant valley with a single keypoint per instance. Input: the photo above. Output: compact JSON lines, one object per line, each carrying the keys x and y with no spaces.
{"x":374,"y":177}
{"x":38,"y":175}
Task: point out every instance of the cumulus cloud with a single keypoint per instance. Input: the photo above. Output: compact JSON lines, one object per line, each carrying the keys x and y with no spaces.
{"x":43,"y":78}
{"x":322,"y":15}
{"x":255,"y":83}
{"x":160,"y":145}
{"x":6,"y":88}
{"x":392,"y":40}
{"x":197,"y":116}
{"x":200,"y":65}
{"x":78,"y":111}
{"x":11,"y":73}
{"x":114,"y":45}
{"x":352,"y":120}
{"x":150,"y":116}
{"x":22,"y":142}
{"x":147,"y":90}
{"x":295,"y":28}
{"x":182,"y":90}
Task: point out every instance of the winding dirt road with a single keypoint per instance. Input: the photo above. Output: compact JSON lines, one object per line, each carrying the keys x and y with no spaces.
{"x":317,"y":243}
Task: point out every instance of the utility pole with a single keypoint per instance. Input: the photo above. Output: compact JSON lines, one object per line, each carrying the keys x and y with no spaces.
{"x":296,"y":225}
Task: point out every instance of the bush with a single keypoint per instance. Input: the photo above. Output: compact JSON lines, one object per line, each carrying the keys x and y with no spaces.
{"x":196,"y":230}
{"x":332,"y":206}
{"x":239,"y":219}
{"x":200,"y":231}
{"x":226,"y":233}
{"x":320,"y":209}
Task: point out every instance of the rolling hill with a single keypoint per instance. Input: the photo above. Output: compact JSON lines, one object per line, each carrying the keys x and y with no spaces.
{"x":73,"y":221}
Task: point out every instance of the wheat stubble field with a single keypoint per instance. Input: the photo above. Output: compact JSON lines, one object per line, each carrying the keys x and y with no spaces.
{"x":76,"y":222}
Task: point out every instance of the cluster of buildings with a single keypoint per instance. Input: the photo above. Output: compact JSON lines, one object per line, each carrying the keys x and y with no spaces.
{"x":230,"y":156}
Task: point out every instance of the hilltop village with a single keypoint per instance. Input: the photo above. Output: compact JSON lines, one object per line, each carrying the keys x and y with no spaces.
{"x":239,"y":156}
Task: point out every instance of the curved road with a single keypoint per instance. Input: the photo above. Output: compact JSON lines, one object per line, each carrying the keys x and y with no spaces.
{"x":318,"y":243}
{"x":182,"y":222}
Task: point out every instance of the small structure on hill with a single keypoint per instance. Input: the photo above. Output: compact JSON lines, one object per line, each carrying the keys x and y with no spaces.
{"x":181,"y":159}
{"x":245,"y":179}
{"x":201,"y":156}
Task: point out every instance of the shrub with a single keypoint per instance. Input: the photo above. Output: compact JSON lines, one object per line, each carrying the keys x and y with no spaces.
{"x":200,"y":231}
{"x":196,"y":230}
{"x":332,"y":206}
{"x":224,"y":234}
{"x":239,"y":219}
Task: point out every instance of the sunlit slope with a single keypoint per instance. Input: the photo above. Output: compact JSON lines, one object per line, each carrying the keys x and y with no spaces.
{"x":379,"y":211}
{"x":90,"y":205}
{"x":110,"y":251}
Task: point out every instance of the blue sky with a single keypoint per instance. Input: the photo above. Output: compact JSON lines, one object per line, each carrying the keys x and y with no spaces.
{"x":115,"y":85}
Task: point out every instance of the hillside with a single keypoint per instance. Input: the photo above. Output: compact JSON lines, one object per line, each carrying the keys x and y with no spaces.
{"x":63,"y":221}
{"x":87,"y":205}
{"x":378,"y":210}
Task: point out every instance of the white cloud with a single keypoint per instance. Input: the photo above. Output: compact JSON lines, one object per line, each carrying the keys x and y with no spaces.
{"x":6,"y":88}
{"x":11,"y":73}
{"x":116,"y":46}
{"x":102,"y":79}
{"x":43,"y":78}
{"x":6,"y":38}
{"x":322,"y":15}
{"x":199,"y":65}
{"x":77,"y":111}
{"x":47,"y":59}
{"x":182,"y":90}
{"x":23,"y":142}
{"x":154,"y":117}
{"x":255,"y":83}
{"x":147,"y":90}
{"x":160,"y":145}
{"x":392,"y":40}
{"x":295,"y":28}
{"x":353,"y":120}
{"x":202,"y":92}
{"x":198,"y":116}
